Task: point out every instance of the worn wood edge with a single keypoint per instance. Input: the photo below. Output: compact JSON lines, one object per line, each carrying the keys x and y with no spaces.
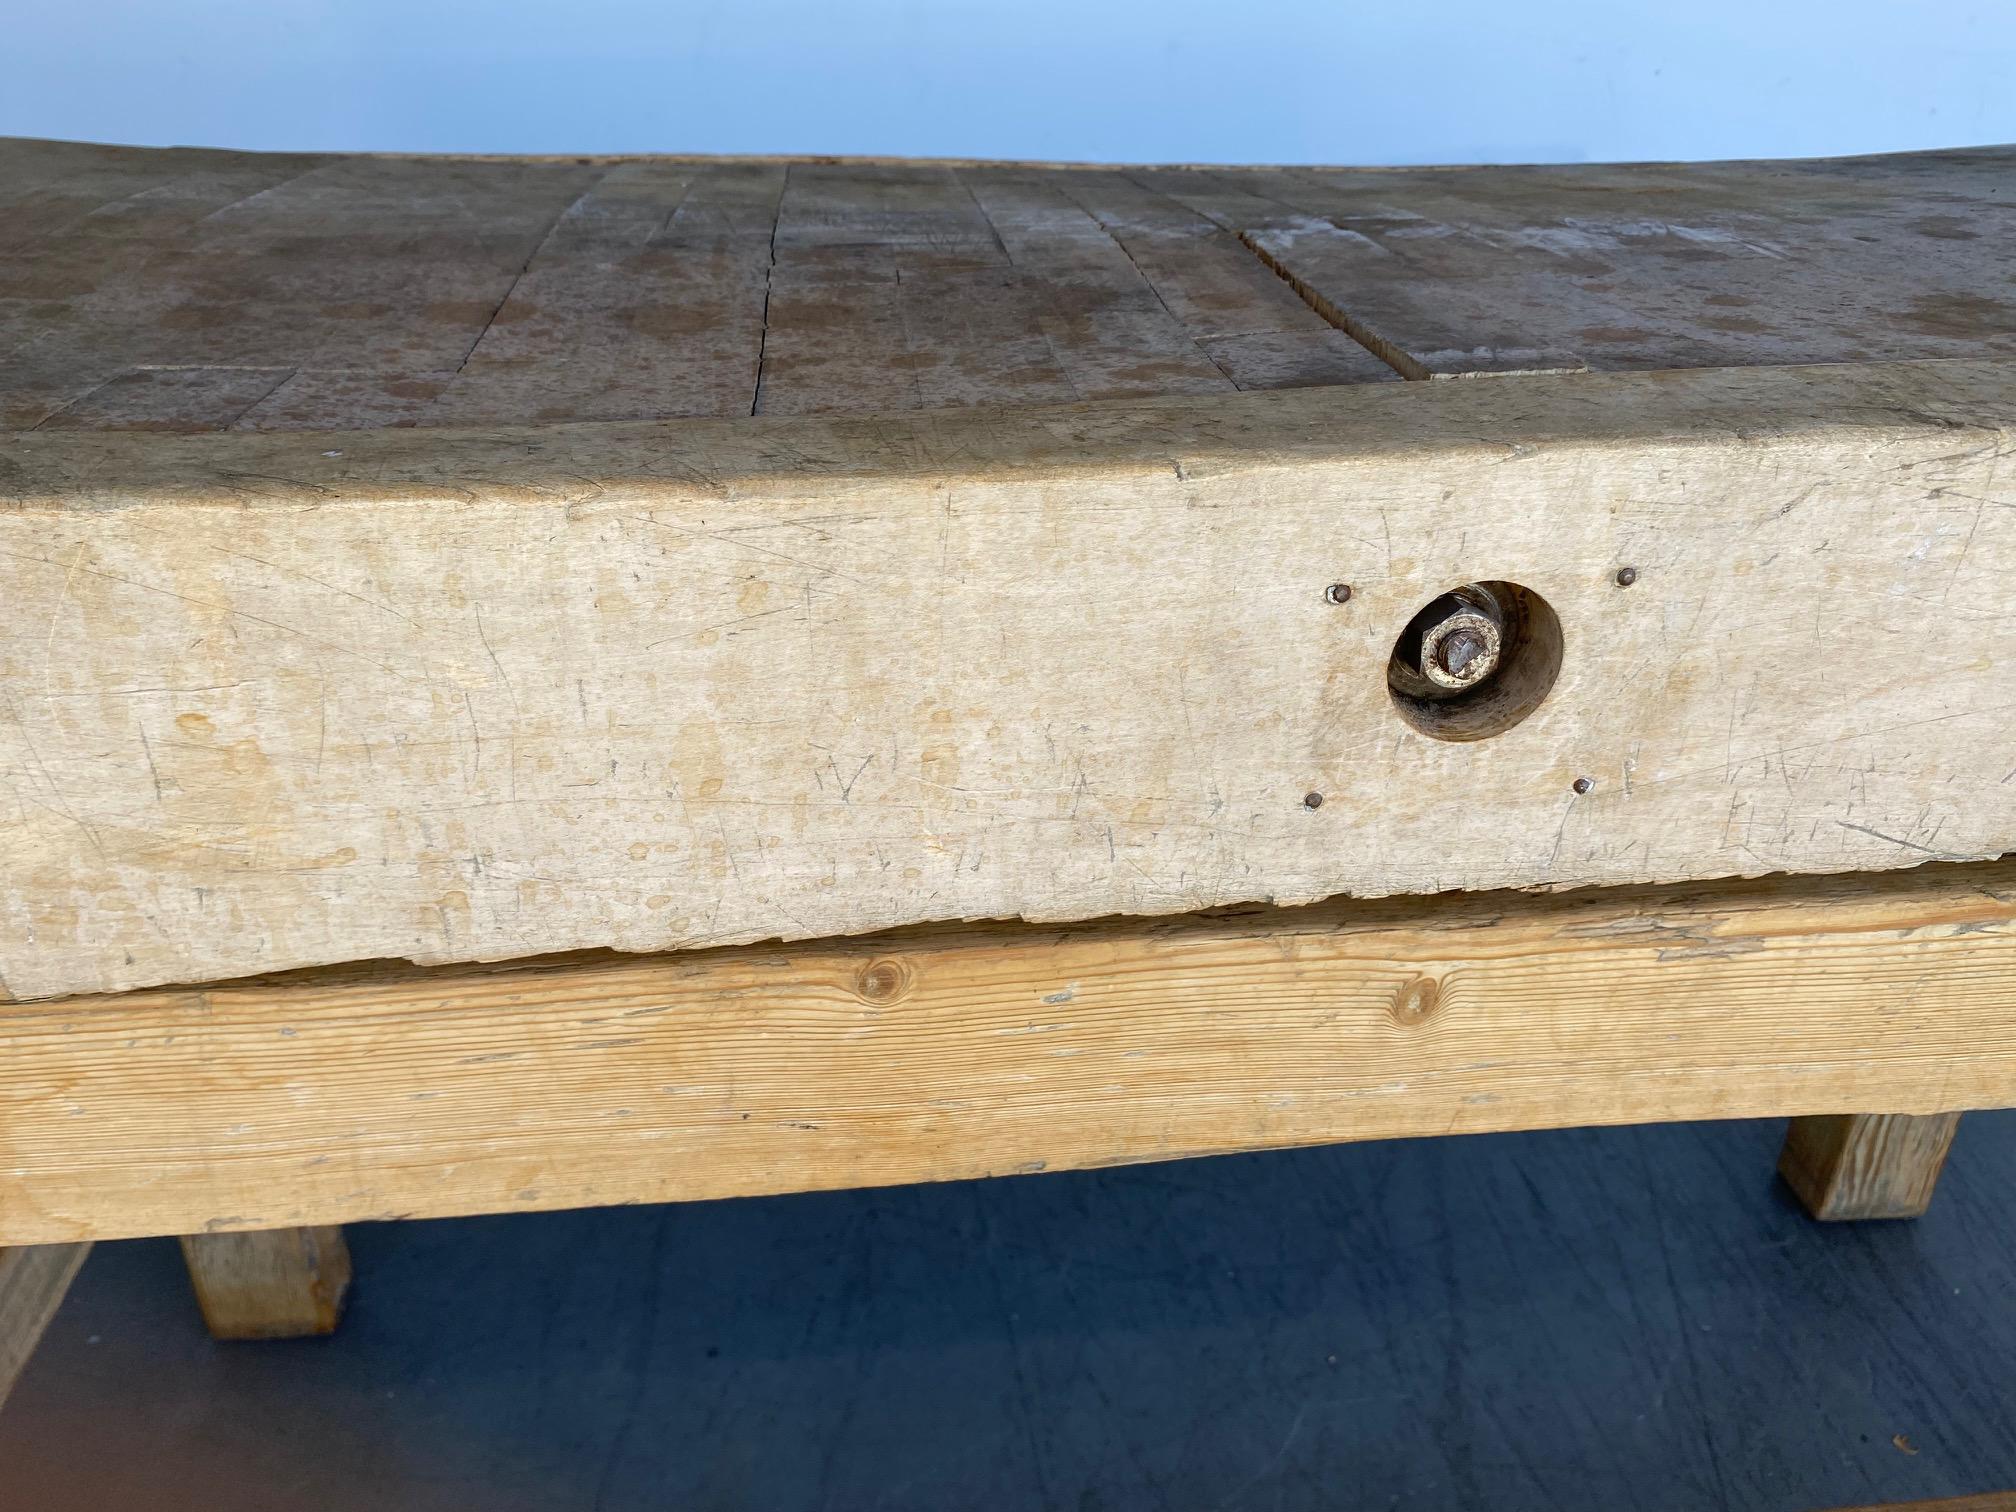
{"x":1862,"y":1166}
{"x":954,"y":1052}
{"x":270,"y":1283}
{"x":816,"y":456}
{"x":34,"y":1279}
{"x":1085,"y":165}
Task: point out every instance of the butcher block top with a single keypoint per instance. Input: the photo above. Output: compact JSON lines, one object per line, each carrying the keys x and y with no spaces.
{"x":461,"y":558}
{"x":195,"y":290}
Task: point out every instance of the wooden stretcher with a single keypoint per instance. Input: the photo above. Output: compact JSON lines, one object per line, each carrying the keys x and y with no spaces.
{"x":532,"y":683}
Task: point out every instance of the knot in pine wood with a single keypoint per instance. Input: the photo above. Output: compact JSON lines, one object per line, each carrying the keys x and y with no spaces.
{"x":1416,"y":1001}
{"x":886,"y":980}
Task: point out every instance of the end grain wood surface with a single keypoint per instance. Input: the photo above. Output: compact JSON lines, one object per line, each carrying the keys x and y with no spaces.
{"x":269,"y":1283}
{"x":198,"y":290}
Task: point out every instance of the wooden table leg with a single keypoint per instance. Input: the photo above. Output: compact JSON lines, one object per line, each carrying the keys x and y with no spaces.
{"x":270,"y":1284}
{"x":33,"y":1280}
{"x":1866,"y":1165}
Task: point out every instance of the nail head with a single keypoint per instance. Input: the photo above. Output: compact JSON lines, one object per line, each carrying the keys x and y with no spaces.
{"x":1338,"y":593}
{"x":1583,"y":784}
{"x":1312,"y":800}
{"x":1626,"y":576}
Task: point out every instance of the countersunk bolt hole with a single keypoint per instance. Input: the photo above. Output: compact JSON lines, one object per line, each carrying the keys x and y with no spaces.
{"x":1338,"y":593}
{"x":1626,"y":576}
{"x":1474,"y":660}
{"x":1312,"y":800}
{"x":1582,"y":784}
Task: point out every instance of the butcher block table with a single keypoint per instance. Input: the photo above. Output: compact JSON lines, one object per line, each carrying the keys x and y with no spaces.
{"x":542,"y":682}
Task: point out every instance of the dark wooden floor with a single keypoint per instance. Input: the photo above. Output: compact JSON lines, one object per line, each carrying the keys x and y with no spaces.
{"x":1602,"y":1319}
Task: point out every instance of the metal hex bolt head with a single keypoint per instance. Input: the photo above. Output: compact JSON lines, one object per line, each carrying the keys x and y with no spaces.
{"x":1461,"y":650}
{"x":1456,"y":643}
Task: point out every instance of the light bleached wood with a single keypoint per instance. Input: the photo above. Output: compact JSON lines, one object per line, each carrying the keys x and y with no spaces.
{"x":269,"y":1283}
{"x":954,"y":1053}
{"x":284,"y":700}
{"x":34,"y":1279}
{"x":1866,"y":1165}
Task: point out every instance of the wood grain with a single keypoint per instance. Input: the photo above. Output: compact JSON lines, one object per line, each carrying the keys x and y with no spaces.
{"x":270,"y":1283}
{"x":1866,"y":1165}
{"x":33,"y":1282}
{"x":1461,"y":272}
{"x":166,"y":291}
{"x":952,"y":1053}
{"x":159,"y":289}
{"x":278,"y":700}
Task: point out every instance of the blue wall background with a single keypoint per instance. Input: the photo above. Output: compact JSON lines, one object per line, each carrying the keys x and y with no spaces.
{"x":1369,"y":81}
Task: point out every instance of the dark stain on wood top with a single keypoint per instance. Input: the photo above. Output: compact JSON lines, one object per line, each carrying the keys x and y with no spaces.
{"x":178,"y":289}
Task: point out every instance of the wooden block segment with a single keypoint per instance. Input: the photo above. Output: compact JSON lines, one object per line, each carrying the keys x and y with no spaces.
{"x":269,"y":1283}
{"x":938,"y":1054}
{"x":33,"y":1282}
{"x":396,"y":290}
{"x":443,"y":696}
{"x":1452,"y":273}
{"x":1866,"y":1165}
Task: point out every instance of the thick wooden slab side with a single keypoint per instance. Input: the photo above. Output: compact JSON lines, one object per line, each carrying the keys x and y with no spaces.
{"x":278,"y":701}
{"x":952,"y":1053}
